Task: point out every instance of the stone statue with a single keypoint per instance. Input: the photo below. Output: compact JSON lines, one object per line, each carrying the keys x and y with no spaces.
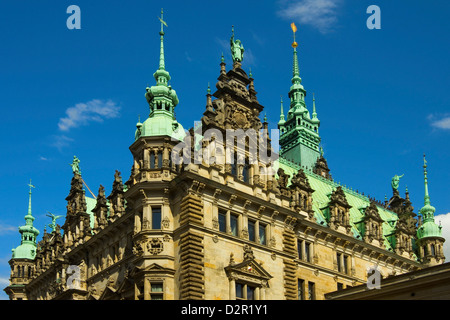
{"x":53,"y":224}
{"x":237,"y":49}
{"x":395,"y":181}
{"x":75,"y":165}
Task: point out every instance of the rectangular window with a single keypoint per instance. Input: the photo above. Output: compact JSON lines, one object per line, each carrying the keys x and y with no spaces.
{"x":308,"y":251}
{"x":300,"y":249}
{"x":262,"y":234}
{"x":311,"y":291}
{"x":152,"y":160}
{"x":246,"y":173}
{"x":345,"y":262}
{"x":338,"y":258}
{"x":251,"y":231}
{"x":301,"y":293}
{"x":250,"y":293}
{"x":239,"y":290}
{"x":156,"y":291}
{"x":156,"y":217}
{"x":245,"y":291}
{"x":222,"y":221}
{"x":234,"y":225}
{"x":159,"y":159}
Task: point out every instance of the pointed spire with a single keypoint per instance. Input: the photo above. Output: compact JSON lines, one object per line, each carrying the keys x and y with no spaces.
{"x":161,"y":76}
{"x":429,"y":228}
{"x":161,"y":53}
{"x":427,"y":210}
{"x":29,"y":233}
{"x":296,"y":92}
{"x":427,"y":196}
{"x":162,"y":99}
{"x":314,"y":114}
{"x":29,"y":202}
{"x":281,"y":111}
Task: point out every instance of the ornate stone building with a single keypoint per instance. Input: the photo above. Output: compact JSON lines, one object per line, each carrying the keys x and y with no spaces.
{"x":187,"y":225}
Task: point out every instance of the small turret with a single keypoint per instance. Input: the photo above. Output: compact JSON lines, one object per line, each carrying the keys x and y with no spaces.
{"x":22,"y":261}
{"x":429,"y":234}
{"x":162,"y":99}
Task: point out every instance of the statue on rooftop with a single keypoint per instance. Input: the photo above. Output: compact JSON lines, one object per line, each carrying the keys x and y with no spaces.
{"x":75,"y":165}
{"x":237,"y":49}
{"x":395,"y":181}
{"x":53,"y":224}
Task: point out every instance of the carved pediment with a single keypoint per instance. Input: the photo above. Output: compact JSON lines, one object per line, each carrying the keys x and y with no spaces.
{"x":248,"y":269}
{"x":151,"y":269}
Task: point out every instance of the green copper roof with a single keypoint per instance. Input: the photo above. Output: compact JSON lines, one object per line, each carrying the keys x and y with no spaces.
{"x":27,"y":248}
{"x":429,"y":228}
{"x":358,"y":202}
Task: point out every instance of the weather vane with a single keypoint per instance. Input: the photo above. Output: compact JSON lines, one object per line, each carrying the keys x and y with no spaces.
{"x":31,"y":186}
{"x":294,"y":29}
{"x":162,"y":21}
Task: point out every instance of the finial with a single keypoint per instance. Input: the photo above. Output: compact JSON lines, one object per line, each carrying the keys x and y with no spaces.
{"x":265,"y":117}
{"x":427,"y":196}
{"x":250,"y":73}
{"x":222,"y":59}
{"x":29,"y":200}
{"x":294,"y":29}
{"x":163,"y":23}
{"x":31,"y":186}
{"x":314,"y":114}
{"x":209,"y":89}
{"x":281,"y":111}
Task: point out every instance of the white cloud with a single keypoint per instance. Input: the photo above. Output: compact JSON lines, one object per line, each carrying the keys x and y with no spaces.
{"x":4,"y":282}
{"x":444,"y":219}
{"x":320,"y":14}
{"x":61,"y":141}
{"x":7,"y":229}
{"x":83,"y":113}
{"x":442,"y":123}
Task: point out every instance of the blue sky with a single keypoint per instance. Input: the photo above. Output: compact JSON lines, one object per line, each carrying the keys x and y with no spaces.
{"x":381,"y":95}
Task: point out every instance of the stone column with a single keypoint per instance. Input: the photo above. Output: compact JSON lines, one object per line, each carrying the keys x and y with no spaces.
{"x":232,"y":288}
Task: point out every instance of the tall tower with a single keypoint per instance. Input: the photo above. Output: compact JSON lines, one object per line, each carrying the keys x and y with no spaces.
{"x":22,"y":261}
{"x":429,"y":235}
{"x":299,"y":132}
